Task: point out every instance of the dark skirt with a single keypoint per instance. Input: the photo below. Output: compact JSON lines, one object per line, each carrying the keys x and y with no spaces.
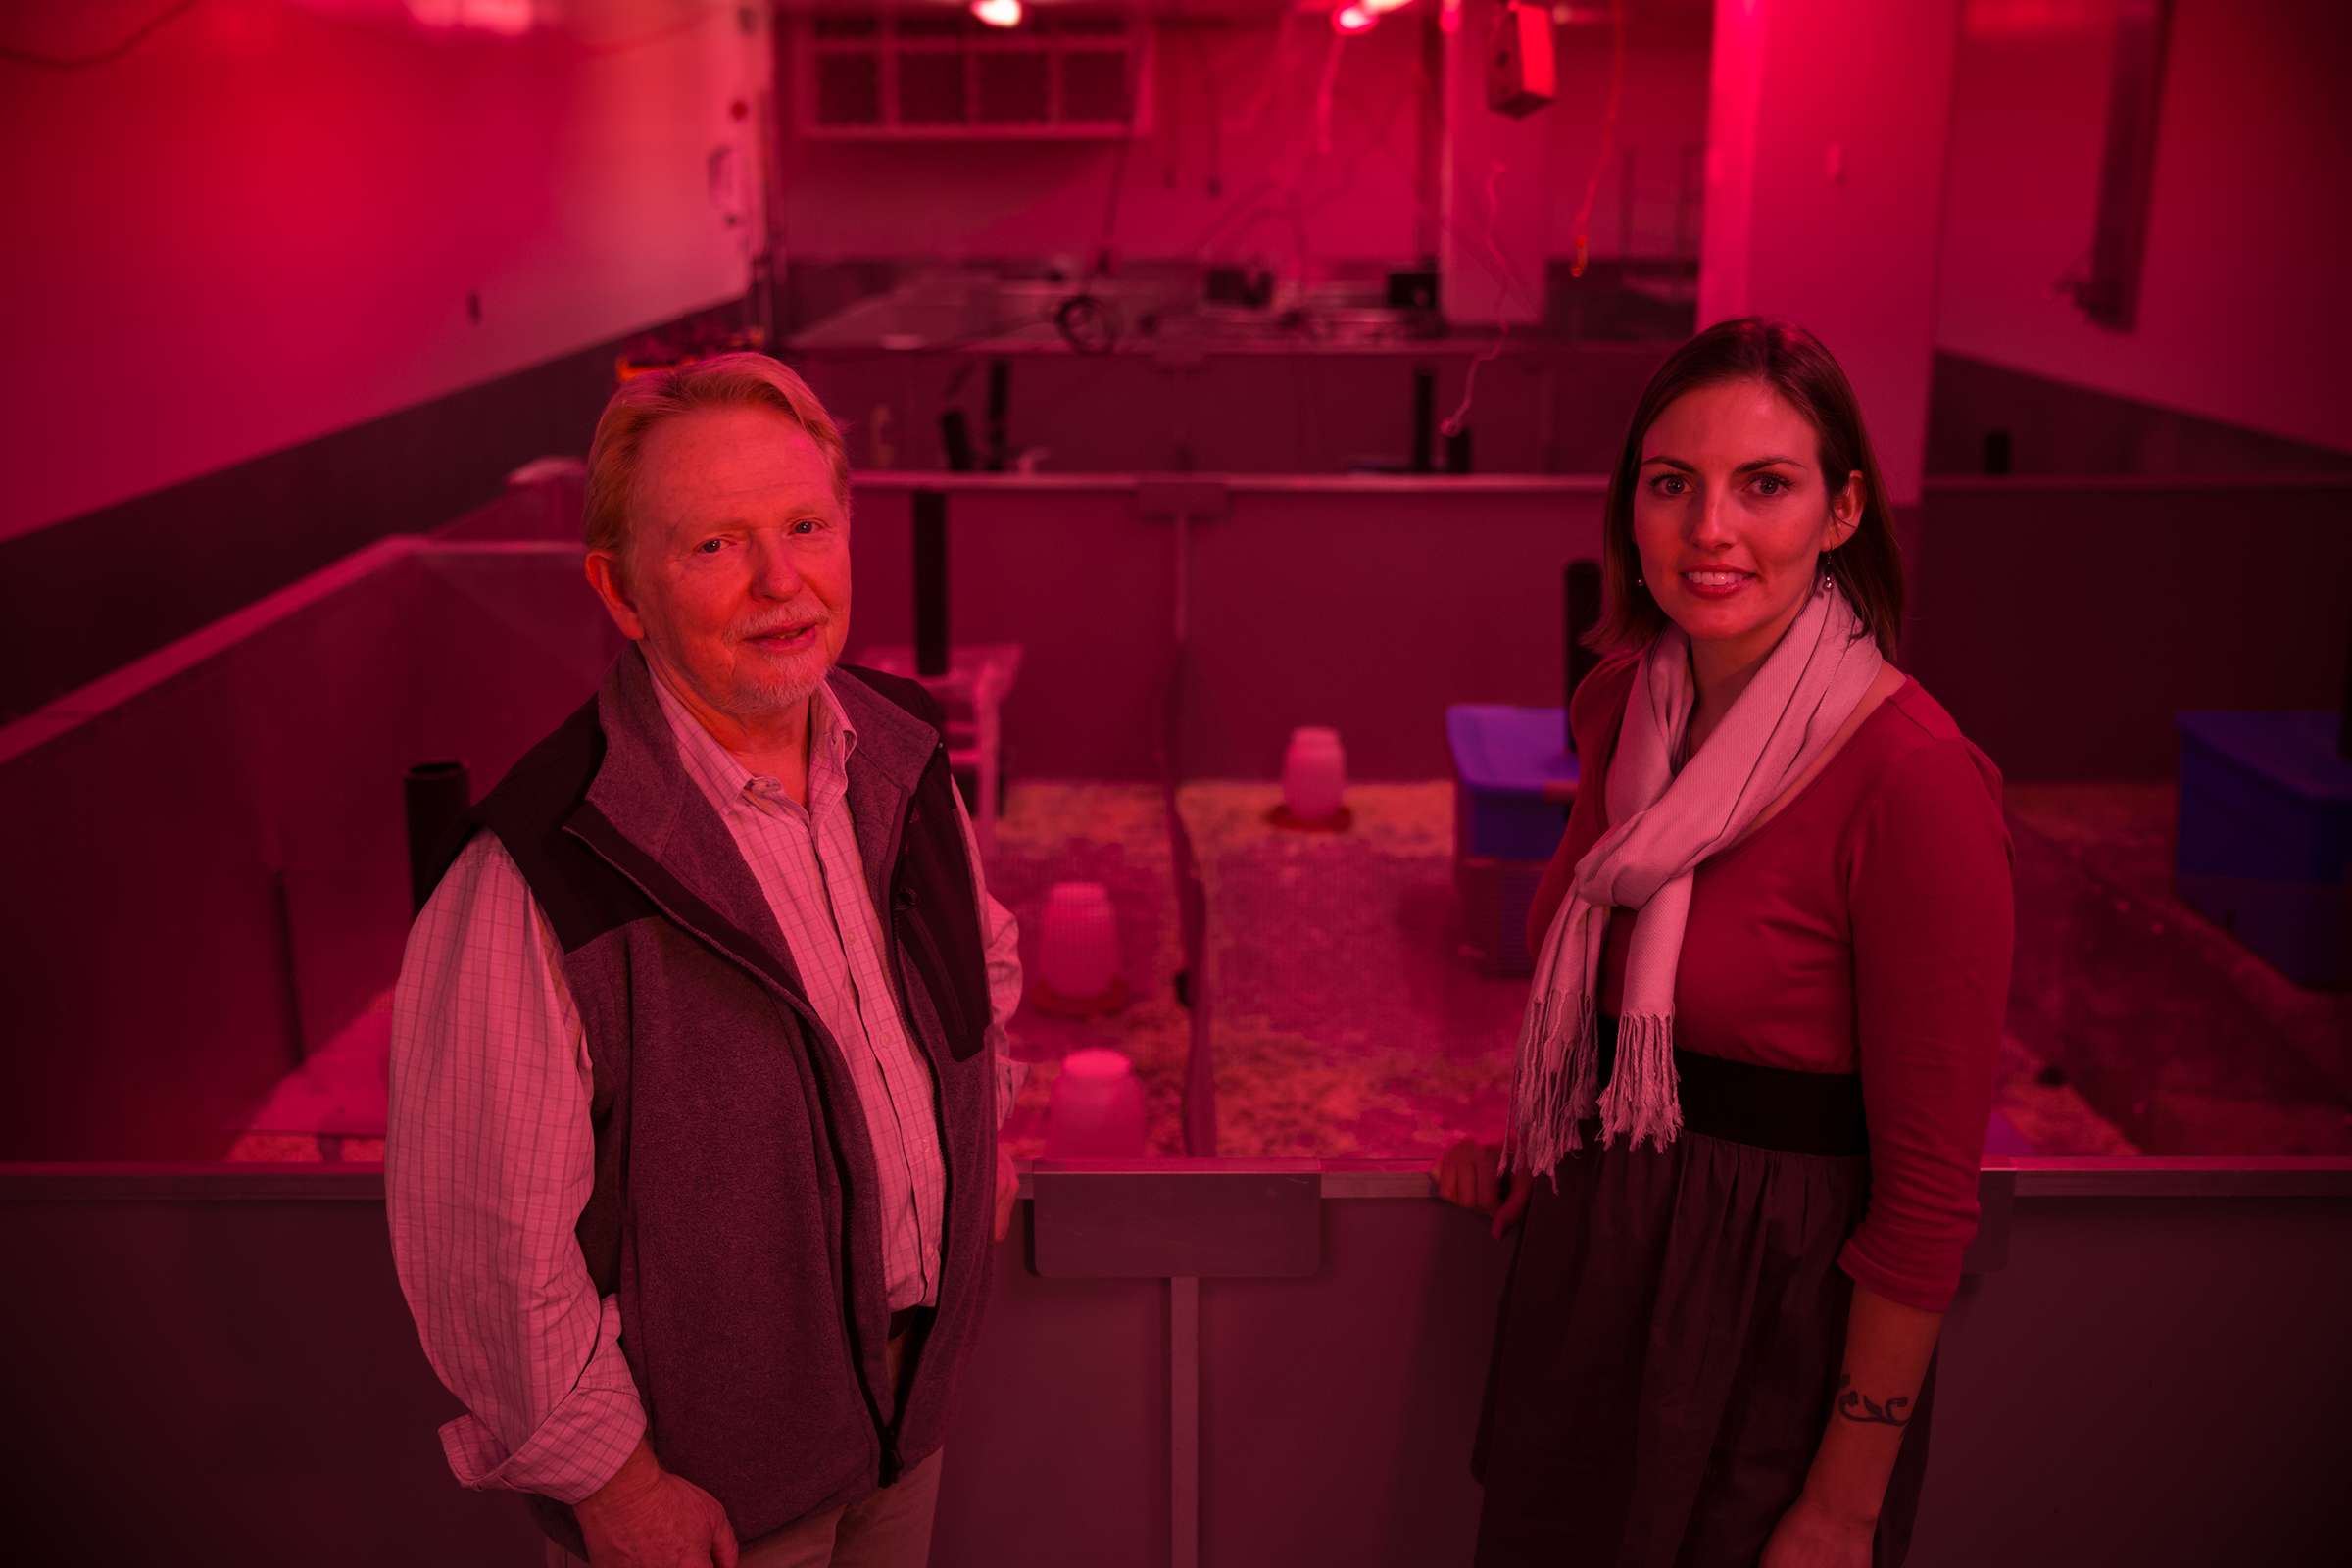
{"x":1672,"y":1333}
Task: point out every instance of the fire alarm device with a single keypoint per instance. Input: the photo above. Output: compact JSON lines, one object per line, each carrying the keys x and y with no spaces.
{"x":1519,"y":69}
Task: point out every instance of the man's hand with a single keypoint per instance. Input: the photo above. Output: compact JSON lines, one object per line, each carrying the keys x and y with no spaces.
{"x":645,"y":1517}
{"x":1009,"y":1188}
{"x":1470,"y":1174}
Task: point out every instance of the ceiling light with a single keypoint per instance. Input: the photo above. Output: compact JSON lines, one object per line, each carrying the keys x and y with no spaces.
{"x":1352,"y":19}
{"x":998,"y":12}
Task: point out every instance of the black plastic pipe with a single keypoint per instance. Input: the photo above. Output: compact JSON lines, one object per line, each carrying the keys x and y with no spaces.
{"x":999,"y":411}
{"x":931,"y":582}
{"x":1425,"y":417}
{"x":1583,"y":614}
{"x":436,"y":795}
{"x":2344,"y":733}
{"x":956,"y":440}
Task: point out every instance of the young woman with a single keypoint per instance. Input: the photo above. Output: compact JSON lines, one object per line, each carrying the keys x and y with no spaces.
{"x":1754,"y":1082}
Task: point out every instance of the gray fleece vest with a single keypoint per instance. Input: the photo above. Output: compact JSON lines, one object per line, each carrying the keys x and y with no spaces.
{"x":734,"y":1211}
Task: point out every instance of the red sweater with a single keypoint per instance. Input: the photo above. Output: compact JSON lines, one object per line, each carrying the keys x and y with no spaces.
{"x":1865,"y":928}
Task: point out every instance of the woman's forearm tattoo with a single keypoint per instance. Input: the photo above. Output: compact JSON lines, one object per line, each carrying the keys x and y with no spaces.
{"x":1857,"y":1406}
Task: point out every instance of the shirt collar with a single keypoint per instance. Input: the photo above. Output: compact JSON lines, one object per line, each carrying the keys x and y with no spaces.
{"x":724,"y":780}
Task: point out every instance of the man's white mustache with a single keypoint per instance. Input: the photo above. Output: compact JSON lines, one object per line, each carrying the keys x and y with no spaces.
{"x":746,"y":634}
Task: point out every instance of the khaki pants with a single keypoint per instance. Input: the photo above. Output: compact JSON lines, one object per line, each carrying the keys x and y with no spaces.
{"x":892,"y":1529}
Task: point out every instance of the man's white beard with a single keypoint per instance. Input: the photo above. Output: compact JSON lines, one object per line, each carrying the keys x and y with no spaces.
{"x":761,"y":689}
{"x":750,"y":701}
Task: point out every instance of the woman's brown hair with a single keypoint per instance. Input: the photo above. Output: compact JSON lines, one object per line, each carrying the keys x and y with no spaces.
{"x":1790,"y":359}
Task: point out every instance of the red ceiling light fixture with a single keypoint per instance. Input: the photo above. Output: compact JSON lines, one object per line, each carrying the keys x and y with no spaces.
{"x":506,"y":18}
{"x":1361,"y":16}
{"x":1520,"y":75}
{"x":998,"y":12}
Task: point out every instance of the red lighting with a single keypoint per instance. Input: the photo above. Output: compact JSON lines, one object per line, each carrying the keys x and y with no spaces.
{"x":1362,"y":16}
{"x":998,"y":12}
{"x":508,"y":19}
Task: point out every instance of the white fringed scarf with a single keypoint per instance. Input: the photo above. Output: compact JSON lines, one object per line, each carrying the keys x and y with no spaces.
{"x":1666,"y":824}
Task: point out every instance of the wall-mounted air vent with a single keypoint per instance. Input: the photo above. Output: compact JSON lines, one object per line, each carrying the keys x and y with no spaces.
{"x":938,"y":74}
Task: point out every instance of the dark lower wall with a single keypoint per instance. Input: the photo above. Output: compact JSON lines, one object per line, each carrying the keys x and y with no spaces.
{"x":2063,"y":622}
{"x":2052,"y":428}
{"x":1366,"y":604}
{"x":87,"y":596}
{"x":1543,"y":407}
{"x":229,"y":1378}
{"x":261,"y":897}
{"x":220,"y":1370}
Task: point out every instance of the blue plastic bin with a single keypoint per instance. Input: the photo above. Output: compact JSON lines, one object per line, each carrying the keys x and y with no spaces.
{"x":2265,"y":836}
{"x":1514,"y":785}
{"x":1517,"y":780}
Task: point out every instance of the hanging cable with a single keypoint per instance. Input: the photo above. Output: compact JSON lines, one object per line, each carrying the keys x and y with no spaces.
{"x":146,"y":30}
{"x":1331,"y":79}
{"x":1608,"y":133}
{"x":1502,"y":321}
{"x":1215,"y":117}
{"x":1110,"y":205}
{"x":1088,"y":325}
{"x":1277,"y":63}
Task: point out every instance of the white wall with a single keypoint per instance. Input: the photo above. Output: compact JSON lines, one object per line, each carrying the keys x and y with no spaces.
{"x":262,"y":223}
{"x":1825,"y":161}
{"x":1548,"y":158}
{"x":2242,"y":315}
{"x":1351,"y":199}
{"x":1355,"y":199}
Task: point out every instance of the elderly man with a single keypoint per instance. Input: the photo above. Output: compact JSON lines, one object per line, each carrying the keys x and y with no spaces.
{"x":698,"y":1050}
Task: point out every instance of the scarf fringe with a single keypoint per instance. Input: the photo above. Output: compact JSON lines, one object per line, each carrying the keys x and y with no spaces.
{"x":1553,"y":1087}
{"x":1670,"y":817}
{"x":1556,"y":1085}
{"x":1644,"y":1102}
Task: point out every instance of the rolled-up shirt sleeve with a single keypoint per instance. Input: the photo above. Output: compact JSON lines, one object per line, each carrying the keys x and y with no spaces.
{"x":1932,"y":927}
{"x":489,"y":1158}
{"x":1001,"y":936}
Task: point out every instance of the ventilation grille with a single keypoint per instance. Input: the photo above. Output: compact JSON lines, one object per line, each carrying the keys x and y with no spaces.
{"x":939,"y":74}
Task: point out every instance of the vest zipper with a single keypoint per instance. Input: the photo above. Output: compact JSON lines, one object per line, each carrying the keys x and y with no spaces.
{"x":889,"y":1466}
{"x":892,"y":1463}
{"x":950,"y":1006}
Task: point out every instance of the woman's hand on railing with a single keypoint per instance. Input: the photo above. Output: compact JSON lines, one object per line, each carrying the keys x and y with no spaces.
{"x":1009,"y":1188}
{"x":1471,"y":1174}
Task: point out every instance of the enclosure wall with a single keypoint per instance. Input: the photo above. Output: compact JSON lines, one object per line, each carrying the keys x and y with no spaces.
{"x":2144,"y":1380}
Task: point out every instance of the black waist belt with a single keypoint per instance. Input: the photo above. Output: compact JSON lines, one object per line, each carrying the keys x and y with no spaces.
{"x":1768,"y":1108}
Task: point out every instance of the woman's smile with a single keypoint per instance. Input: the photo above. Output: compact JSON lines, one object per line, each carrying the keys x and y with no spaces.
{"x":1731,"y":517}
{"x":1716,"y":583}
